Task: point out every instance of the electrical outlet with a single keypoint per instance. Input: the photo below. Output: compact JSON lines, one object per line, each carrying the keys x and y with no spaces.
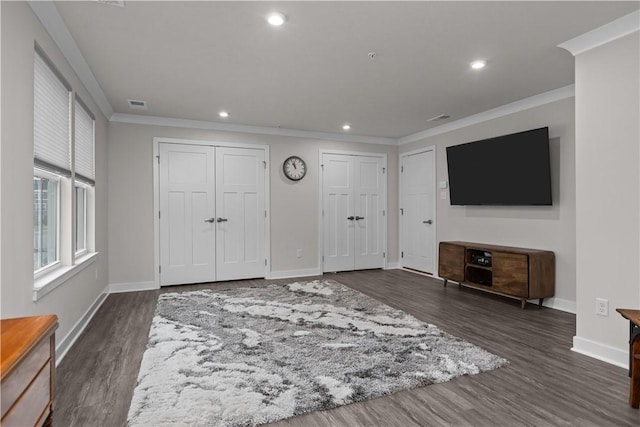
{"x":602,"y":307}
{"x":299,"y":253}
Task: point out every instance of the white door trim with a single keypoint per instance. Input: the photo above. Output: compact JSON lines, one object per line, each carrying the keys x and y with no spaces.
{"x":401,"y":157}
{"x":383,"y":156}
{"x":156,"y":196}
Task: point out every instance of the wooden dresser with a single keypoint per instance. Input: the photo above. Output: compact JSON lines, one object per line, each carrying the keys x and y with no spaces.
{"x":28,"y":368}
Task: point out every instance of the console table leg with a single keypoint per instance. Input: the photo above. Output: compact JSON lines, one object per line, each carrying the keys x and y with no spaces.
{"x":445,"y":283}
{"x":523,"y":303}
{"x":540,"y":302}
{"x":634,"y":392}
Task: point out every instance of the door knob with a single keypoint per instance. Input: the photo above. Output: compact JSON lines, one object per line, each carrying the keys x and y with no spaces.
{"x":210,"y":220}
{"x":427,"y":222}
{"x":350,"y":218}
{"x":222,"y":220}
{"x":358,"y":218}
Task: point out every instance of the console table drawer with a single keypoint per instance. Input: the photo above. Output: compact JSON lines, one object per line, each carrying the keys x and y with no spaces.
{"x":27,"y":370}
{"x":28,"y":410}
{"x":21,"y":377}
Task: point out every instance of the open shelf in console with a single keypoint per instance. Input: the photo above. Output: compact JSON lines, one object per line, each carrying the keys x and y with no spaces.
{"x":479,"y":257}
{"x":479,"y":275}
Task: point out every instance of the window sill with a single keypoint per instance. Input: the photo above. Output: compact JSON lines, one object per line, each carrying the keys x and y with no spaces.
{"x":45,"y":284}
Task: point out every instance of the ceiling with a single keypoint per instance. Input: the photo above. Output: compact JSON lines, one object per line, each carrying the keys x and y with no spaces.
{"x":193,"y":59}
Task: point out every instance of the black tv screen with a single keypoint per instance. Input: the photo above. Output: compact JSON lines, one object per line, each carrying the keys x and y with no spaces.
{"x":506,"y":170}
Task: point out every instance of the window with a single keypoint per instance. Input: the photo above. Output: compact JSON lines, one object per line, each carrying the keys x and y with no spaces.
{"x":81,"y":220}
{"x":52,"y":160}
{"x":63,"y":178}
{"x":45,"y":224}
{"x":84,"y":169}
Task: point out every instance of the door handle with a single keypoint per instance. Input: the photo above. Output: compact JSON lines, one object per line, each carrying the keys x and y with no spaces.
{"x":222,"y":220}
{"x":350,"y":218}
{"x":427,"y":222}
{"x":358,"y":218}
{"x":210,"y":220}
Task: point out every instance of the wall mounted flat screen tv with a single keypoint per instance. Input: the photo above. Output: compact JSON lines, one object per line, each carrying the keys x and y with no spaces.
{"x":509,"y":170}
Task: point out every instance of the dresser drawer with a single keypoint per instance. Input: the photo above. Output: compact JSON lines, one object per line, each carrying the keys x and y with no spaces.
{"x":30,"y":406}
{"x":23,"y":374}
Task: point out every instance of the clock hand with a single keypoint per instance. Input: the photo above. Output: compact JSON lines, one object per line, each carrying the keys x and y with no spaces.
{"x":294,"y":165}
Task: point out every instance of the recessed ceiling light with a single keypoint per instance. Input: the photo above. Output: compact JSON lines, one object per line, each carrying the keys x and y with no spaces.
{"x":223,"y":114}
{"x":346,"y":126}
{"x":276,"y":19}
{"x":476,"y":65}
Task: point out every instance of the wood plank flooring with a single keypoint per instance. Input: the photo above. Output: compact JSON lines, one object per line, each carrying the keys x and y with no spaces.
{"x":545,"y":384}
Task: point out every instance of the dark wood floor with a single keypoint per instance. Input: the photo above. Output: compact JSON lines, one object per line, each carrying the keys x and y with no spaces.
{"x":545,"y":384}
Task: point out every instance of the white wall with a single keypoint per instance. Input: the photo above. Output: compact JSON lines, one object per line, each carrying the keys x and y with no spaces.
{"x":294,"y":206}
{"x":607,"y":193}
{"x":537,"y":227}
{"x":20,"y":29}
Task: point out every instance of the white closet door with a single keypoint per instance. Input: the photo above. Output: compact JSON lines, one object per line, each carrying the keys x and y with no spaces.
{"x":187,"y":204}
{"x":240,"y":177}
{"x":418,"y":225}
{"x":339,"y":215}
{"x":369,"y":206}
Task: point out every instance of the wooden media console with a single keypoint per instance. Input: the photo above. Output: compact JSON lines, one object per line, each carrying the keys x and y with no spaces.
{"x":515,"y":272}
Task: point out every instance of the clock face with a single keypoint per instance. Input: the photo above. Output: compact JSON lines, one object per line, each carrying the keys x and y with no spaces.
{"x":294,"y":168}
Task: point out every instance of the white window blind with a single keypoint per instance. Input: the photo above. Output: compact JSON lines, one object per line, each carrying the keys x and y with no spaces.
{"x":51,"y":118}
{"x":84,"y":144}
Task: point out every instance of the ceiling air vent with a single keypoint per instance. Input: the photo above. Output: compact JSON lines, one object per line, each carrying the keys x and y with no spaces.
{"x":118,"y":3}
{"x":137,"y":105}
{"x":438,"y":118}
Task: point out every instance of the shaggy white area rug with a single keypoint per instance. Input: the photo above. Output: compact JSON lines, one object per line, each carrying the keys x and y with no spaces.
{"x":249,"y":356}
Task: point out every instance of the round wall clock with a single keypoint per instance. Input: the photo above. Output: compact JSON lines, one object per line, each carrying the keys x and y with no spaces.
{"x":294,"y":168}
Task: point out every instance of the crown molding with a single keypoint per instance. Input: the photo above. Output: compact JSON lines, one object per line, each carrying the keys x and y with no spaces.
{"x":260,"y":130}
{"x":602,"y":35}
{"x":504,"y":110}
{"x":52,"y":21}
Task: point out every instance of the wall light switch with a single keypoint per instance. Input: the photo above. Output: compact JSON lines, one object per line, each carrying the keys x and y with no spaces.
{"x":299,"y":253}
{"x":443,"y":194}
{"x":442,"y":185}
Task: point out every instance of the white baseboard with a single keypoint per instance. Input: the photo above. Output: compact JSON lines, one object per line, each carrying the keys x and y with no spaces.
{"x":420,"y":273}
{"x":65,"y":344}
{"x":286,"y":274}
{"x":560,"y":304}
{"x":116,"y":288}
{"x":603,"y":352}
{"x":393,"y":266}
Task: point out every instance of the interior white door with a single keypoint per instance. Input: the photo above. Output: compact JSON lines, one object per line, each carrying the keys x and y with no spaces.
{"x":417,"y":215}
{"x":241,"y":221}
{"x":353,"y":203}
{"x":338,"y":213}
{"x":187,"y":206}
{"x":369,"y":212}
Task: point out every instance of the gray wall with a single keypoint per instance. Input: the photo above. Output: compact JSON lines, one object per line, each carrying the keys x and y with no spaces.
{"x":20,"y":28}
{"x":538,"y":227}
{"x":294,"y":206}
{"x":608,"y":192}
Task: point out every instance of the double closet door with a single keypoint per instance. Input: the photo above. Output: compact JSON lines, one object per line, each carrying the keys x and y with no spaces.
{"x":212,"y":213}
{"x":353,"y":212}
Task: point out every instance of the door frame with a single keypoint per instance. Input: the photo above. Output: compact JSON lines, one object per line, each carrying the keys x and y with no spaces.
{"x":383,"y":156}
{"x":156,"y":196}
{"x":401,"y":157}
